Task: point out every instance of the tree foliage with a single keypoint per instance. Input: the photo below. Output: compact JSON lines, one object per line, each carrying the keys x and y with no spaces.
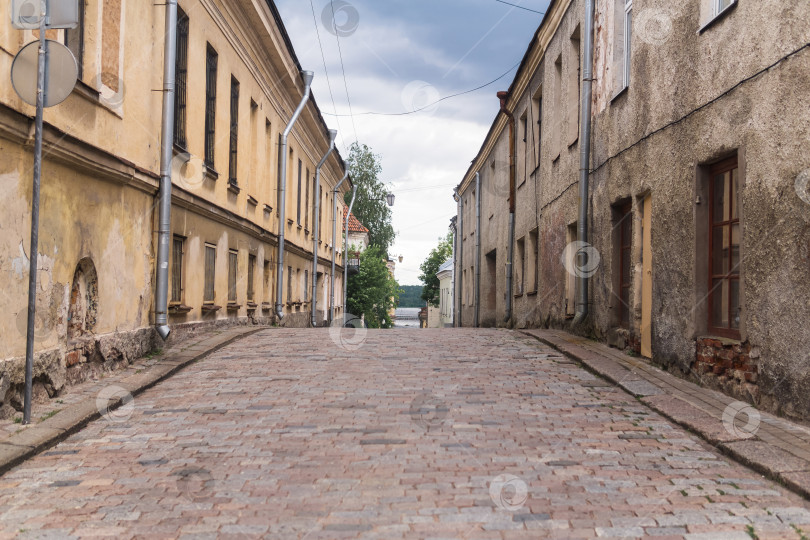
{"x":430,"y":267}
{"x":369,"y":205}
{"x":411,"y":297}
{"x":373,"y":291}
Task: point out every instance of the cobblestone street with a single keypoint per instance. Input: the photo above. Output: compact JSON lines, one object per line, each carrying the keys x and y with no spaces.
{"x":390,"y":434}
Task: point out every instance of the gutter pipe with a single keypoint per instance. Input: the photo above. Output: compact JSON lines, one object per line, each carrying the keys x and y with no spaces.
{"x":504,"y":96}
{"x":345,"y":254}
{"x":317,"y":229}
{"x":477,"y":247}
{"x":335,"y":193}
{"x":282,"y":190}
{"x":585,"y":163}
{"x":165,"y":196}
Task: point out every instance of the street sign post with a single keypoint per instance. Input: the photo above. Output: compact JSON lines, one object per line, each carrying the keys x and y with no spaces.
{"x":25,"y":14}
{"x":56,"y":71}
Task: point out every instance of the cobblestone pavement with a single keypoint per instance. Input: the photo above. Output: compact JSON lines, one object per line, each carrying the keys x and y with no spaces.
{"x":395,"y":434}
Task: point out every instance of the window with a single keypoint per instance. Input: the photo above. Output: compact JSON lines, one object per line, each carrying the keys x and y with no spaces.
{"x":306,"y":285}
{"x":628,"y":34}
{"x":74,"y":39}
{"x":210,"y":268}
{"x":181,"y":80}
{"x":251,"y":292}
{"x":267,"y":271}
{"x":177,"y":269}
{"x":722,"y":5}
{"x":557,"y":111}
{"x":300,"y":172}
{"x":574,"y":68}
{"x":306,"y":202}
{"x":724,"y":250}
{"x":210,"y":105}
{"x":533,"y":261}
{"x":233,"y":268}
{"x":625,"y":238}
{"x":234,"y":141}
{"x":523,"y":152}
{"x":253,"y":136}
{"x":289,"y":284}
{"x":519,"y":262}
{"x":537,"y":112}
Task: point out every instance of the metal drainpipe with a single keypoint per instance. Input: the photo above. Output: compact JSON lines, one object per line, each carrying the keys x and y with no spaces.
{"x":317,"y":229}
{"x":585,"y":161}
{"x":504,"y":96}
{"x":345,"y":253}
{"x":477,"y":247}
{"x":282,"y":190}
{"x":460,"y":277}
{"x":165,"y":201}
{"x":335,"y":193}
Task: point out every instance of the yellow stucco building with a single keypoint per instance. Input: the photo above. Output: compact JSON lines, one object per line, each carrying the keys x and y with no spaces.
{"x":238,"y":83}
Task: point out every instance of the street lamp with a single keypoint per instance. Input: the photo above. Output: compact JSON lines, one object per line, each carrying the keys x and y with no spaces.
{"x":389,"y":198}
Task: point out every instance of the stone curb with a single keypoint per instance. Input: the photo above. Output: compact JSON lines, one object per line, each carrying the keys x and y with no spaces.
{"x":769,"y":460}
{"x":36,"y":439}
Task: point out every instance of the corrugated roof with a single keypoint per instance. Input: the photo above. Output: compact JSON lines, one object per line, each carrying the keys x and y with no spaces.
{"x":354,"y":224}
{"x":448,"y":265}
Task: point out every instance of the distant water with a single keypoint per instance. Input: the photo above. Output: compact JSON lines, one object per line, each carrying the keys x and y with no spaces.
{"x":407,"y":318}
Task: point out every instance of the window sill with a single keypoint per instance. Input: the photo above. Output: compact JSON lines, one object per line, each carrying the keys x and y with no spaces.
{"x":210,"y":173}
{"x":251,"y":306}
{"x":233,"y":306}
{"x":252,"y":200}
{"x":268,"y":208}
{"x":531,"y":293}
{"x":266,"y":306}
{"x":726,"y":338}
{"x":717,"y":18}
{"x":289,"y":222}
{"x":233,"y":188}
{"x":523,"y":183}
{"x":622,"y":91}
{"x":179,"y":309}
{"x":300,"y":227}
{"x":210,"y":308}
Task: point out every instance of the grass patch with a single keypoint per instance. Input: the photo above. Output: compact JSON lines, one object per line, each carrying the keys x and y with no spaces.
{"x":48,"y":415}
{"x":800,"y":532}
{"x":749,"y":530}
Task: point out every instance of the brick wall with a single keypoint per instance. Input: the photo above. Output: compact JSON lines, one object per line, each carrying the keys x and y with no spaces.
{"x":727,"y":365}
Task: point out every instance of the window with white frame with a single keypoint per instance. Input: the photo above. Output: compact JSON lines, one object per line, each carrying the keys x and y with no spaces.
{"x":628,"y":34}
{"x":722,"y":5}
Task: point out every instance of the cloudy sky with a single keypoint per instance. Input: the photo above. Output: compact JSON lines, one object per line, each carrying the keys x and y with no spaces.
{"x":399,"y":56}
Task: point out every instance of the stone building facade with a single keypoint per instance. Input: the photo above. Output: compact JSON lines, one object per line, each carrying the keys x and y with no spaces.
{"x":238,"y":83}
{"x":699,"y":207}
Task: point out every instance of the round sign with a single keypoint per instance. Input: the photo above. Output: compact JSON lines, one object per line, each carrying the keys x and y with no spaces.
{"x":61,"y":72}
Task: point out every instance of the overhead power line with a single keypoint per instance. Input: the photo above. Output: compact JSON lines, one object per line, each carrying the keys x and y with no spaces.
{"x":521,"y":7}
{"x":429,"y":105}
{"x":326,"y":71}
{"x":343,"y":69}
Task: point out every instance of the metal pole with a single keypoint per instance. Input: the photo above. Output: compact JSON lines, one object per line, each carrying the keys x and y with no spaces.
{"x":335,"y":193}
{"x":345,"y":254}
{"x":477,"y":248}
{"x":32,"y":266}
{"x":165,"y":197}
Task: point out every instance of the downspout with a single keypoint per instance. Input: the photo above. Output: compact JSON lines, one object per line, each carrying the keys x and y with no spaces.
{"x":504,"y":96}
{"x":282,"y":190}
{"x":460,"y":278}
{"x":345,"y":254}
{"x":335,"y":193}
{"x":317,"y":229}
{"x":165,"y":201}
{"x":585,"y":163}
{"x":477,"y":247}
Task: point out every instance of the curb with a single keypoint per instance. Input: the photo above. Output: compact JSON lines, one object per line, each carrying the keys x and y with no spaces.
{"x":743,"y":451}
{"x":22,"y":446}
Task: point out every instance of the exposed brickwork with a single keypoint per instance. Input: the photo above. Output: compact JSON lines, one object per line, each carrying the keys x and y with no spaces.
{"x":727,"y":365}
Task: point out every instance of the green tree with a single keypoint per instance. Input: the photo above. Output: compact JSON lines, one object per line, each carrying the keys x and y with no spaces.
{"x":430,"y":267}
{"x":369,"y":205}
{"x":373,"y":291}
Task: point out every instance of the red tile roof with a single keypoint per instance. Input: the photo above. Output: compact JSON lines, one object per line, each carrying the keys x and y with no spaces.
{"x":354,"y":224}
